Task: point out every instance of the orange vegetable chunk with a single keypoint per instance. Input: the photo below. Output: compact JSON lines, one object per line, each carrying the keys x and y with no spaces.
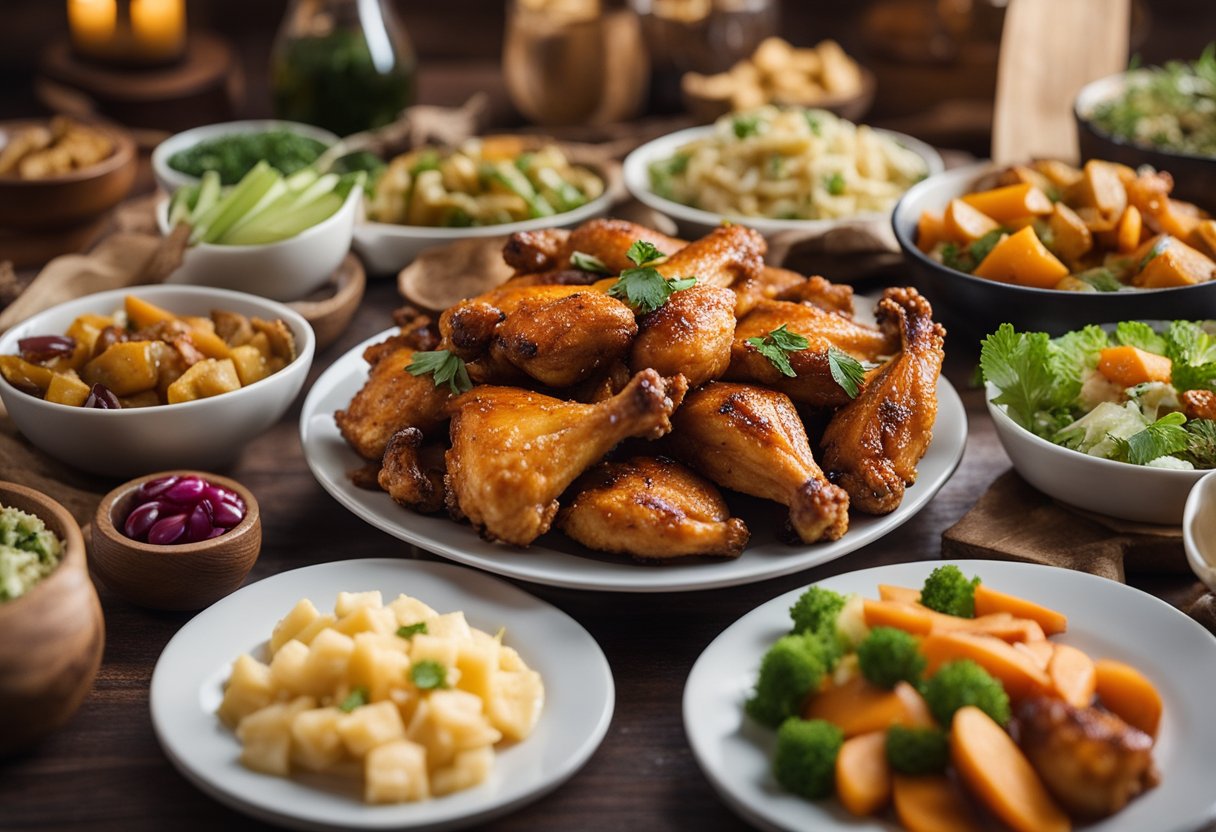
{"x":989,"y":600}
{"x":903,"y":594}
{"x":1019,"y":675}
{"x":1127,"y":693}
{"x":1128,"y":366}
{"x":863,"y":776}
{"x":966,"y":224}
{"x":933,"y":803}
{"x":1072,"y":675}
{"x":143,"y":314}
{"x":1022,"y":258}
{"x":1071,"y":237}
{"x":209,"y":344}
{"x":1127,"y":234}
{"x":858,"y":707}
{"x":1000,"y":625}
{"x":1177,"y":264}
{"x":930,"y":230}
{"x":1011,"y":202}
{"x":996,"y":771}
{"x":1040,"y":652}
{"x":901,"y":615}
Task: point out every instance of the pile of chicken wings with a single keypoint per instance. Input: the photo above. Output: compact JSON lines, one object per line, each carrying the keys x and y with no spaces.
{"x":619,"y":426}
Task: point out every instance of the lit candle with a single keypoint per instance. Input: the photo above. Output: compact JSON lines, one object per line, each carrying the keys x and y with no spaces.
{"x":93,"y":25}
{"x":128,"y":31}
{"x":158,"y":28}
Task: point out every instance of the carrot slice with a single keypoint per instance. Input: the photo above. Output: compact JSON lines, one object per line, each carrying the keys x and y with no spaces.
{"x":930,"y":230}
{"x":903,"y":594}
{"x":1000,"y":625}
{"x":1020,"y":676}
{"x":1011,"y":202}
{"x":1127,"y":693}
{"x":932,"y":803}
{"x":1040,"y":652}
{"x":996,"y":771}
{"x":988,"y":600}
{"x":965,"y":223}
{"x":863,"y":776}
{"x":858,"y":707}
{"x":1072,"y":675}
{"x":1127,"y":234}
{"x":1128,"y":366}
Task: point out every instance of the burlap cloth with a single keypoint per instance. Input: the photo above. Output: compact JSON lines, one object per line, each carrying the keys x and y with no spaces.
{"x":1013,"y":521}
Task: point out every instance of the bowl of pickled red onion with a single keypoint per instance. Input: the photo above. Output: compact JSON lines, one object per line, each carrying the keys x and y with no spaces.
{"x":176,"y":540}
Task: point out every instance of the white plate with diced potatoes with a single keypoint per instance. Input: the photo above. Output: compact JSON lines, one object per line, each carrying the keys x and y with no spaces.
{"x":345,"y":712}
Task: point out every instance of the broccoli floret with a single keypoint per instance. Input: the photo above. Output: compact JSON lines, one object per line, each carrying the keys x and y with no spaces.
{"x":917,"y":750}
{"x":888,"y":656}
{"x":791,"y":669}
{"x":805,"y":760}
{"x":962,"y":683}
{"x":947,"y":590}
{"x":816,"y":610}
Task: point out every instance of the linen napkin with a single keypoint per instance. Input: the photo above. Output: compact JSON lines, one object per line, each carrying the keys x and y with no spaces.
{"x":1014,"y":521}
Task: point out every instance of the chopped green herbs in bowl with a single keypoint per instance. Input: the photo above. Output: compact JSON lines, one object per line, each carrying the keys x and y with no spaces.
{"x":29,"y":551}
{"x":235,"y":154}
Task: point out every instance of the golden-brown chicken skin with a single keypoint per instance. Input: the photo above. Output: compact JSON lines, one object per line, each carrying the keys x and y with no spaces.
{"x":767,"y":285}
{"x":872,"y":445}
{"x":812,"y":383}
{"x":467,"y":328}
{"x":750,"y":439}
{"x":650,"y":508}
{"x":411,"y":473}
{"x":609,"y":240}
{"x":535,"y":251}
{"x":390,"y":400}
{"x":514,"y":452}
{"x":690,"y":334}
{"x":1090,"y":760}
{"x":820,"y":292}
{"x":562,"y":341}
{"x":1198,"y":404}
{"x":720,"y":258}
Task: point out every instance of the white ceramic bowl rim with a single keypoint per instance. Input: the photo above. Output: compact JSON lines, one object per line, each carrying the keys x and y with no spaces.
{"x":188,"y":138}
{"x":998,"y":412}
{"x":1202,"y":559}
{"x":1102,"y":90}
{"x":304,"y":351}
{"x":972,"y":173}
{"x":355,"y":196}
{"x":637,"y":182}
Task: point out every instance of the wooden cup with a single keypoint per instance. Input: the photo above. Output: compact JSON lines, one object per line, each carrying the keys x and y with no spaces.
{"x":51,"y":638}
{"x":180,"y":576}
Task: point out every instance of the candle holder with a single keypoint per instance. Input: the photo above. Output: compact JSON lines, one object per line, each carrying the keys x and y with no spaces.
{"x":128,"y":33}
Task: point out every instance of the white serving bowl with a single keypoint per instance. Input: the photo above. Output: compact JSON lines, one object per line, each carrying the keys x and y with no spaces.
{"x":205,"y":433}
{"x":170,"y":180}
{"x":286,"y":270}
{"x":1118,"y":489}
{"x":1199,"y":530}
{"x":387,"y":248}
{"x":694,"y":222}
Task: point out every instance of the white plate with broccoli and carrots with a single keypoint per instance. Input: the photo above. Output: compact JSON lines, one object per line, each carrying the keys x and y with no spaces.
{"x":915,"y":697}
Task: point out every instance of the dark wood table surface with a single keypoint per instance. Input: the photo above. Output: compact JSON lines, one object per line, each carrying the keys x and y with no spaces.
{"x":105,"y":771}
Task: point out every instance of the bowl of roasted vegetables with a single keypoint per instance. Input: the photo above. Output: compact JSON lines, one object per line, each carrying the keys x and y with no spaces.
{"x":1118,"y":419}
{"x":275,"y":235}
{"x":126,"y":382}
{"x":1164,"y":116}
{"x":1050,"y":246}
{"x":486,"y":187}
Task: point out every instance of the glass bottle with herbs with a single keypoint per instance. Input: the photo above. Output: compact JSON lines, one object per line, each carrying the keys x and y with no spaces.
{"x":345,"y":65}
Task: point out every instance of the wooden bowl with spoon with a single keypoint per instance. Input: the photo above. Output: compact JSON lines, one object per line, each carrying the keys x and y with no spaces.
{"x":173,"y":576}
{"x":51,"y":636}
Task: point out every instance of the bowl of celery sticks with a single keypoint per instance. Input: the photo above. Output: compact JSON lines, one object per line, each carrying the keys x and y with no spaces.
{"x":275,"y":235}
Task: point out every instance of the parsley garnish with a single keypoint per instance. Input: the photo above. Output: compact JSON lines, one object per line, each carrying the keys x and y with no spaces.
{"x":411,"y":630}
{"x":357,"y":698}
{"x":643,"y":287}
{"x":1201,"y":450}
{"x":776,"y":345}
{"x":745,"y":126}
{"x":834,"y":182}
{"x":588,"y":263}
{"x":444,"y":367}
{"x":847,"y":371}
{"x":813,"y":121}
{"x":1163,"y":437}
{"x":428,"y":675}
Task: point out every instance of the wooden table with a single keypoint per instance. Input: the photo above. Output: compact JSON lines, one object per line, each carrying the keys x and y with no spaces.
{"x":105,"y":771}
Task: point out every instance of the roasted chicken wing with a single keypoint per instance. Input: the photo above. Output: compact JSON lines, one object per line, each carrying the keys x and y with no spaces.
{"x":873,"y":444}
{"x":650,"y":508}
{"x":1089,"y":759}
{"x":690,"y":334}
{"x":467,"y":327}
{"x":411,"y":473}
{"x":818,"y":291}
{"x":812,"y":383}
{"x":535,"y":251}
{"x":751,"y":440}
{"x":514,"y":452}
{"x":720,"y":258}
{"x":609,"y":241}
{"x":390,"y":400}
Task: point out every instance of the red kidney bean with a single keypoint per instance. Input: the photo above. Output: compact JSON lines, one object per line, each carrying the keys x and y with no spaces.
{"x":45,"y":347}
{"x":154,"y":488}
{"x":182,"y":509}
{"x":167,"y":530}
{"x":141,"y":519}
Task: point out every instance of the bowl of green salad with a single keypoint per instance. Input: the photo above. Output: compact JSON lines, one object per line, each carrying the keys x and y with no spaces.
{"x":232,"y":148}
{"x":1164,"y":116}
{"x":1117,"y":419}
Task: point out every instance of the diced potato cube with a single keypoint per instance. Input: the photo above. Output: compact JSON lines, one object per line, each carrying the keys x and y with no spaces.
{"x":67,"y":388}
{"x":289,"y":667}
{"x":208,"y":343}
{"x":126,"y":368}
{"x":449,"y":625}
{"x":460,"y":714}
{"x":250,"y":364}
{"x":261,"y":343}
{"x":266,"y":736}
{"x":439,"y":742}
{"x":318,"y":626}
{"x":377,"y":668}
{"x":410,"y":610}
{"x":301,"y":615}
{"x":328,"y":657}
{"x":209,"y":377}
{"x":367,"y":620}
{"x":396,"y":772}
{"x":250,"y":688}
{"x":516,"y":704}
{"x":467,"y":769}
{"x":478,"y":663}
{"x":369,"y":726}
{"x":349,"y":602}
{"x":433,"y":648}
{"x":316,"y":743}
{"x":143,"y":314}
{"x":85,"y":330}
{"x":510,"y":660}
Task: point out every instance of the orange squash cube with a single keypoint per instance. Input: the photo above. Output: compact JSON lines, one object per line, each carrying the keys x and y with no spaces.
{"x":1022,"y":258}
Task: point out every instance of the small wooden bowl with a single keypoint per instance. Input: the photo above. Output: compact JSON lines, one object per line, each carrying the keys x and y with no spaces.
{"x":51,"y":638}
{"x":182,"y":576}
